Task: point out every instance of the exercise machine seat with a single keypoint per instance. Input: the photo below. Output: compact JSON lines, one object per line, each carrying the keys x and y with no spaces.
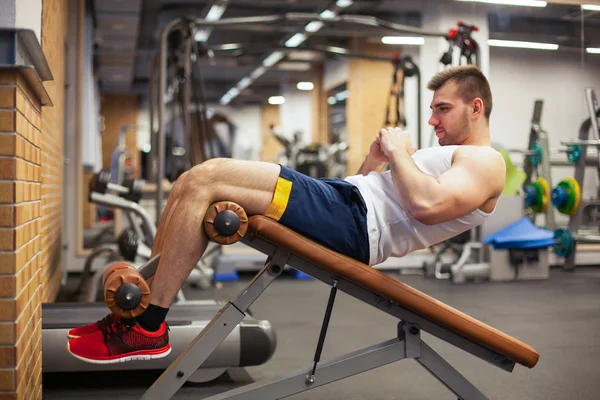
{"x":403,"y":295}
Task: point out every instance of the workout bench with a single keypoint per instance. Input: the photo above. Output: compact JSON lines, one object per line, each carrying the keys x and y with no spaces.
{"x":226,"y":223}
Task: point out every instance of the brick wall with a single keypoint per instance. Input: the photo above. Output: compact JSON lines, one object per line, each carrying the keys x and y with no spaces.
{"x":54,"y":33}
{"x":31,"y":152}
{"x":20,"y":239}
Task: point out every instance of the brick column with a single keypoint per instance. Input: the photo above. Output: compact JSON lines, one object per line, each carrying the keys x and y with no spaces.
{"x":21,"y":292}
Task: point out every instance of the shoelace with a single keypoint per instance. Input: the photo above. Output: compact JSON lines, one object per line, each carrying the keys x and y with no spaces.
{"x":116,"y":329}
{"x":105,"y":319}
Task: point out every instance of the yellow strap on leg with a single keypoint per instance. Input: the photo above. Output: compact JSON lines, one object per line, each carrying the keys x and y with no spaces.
{"x":281,"y":197}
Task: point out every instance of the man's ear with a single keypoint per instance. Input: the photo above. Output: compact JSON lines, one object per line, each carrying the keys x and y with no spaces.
{"x":477,"y":107}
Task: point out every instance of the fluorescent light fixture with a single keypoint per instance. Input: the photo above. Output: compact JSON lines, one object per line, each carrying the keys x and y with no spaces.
{"x":258,"y":72}
{"x":328,"y":14}
{"x":226,"y":99}
{"x":590,"y":7}
{"x":201,"y":35}
{"x":272,"y":59}
{"x":343,"y":3}
{"x":276,"y":100}
{"x":522,"y":45}
{"x":305,"y":86}
{"x":525,"y":3}
{"x":339,"y":50}
{"x":215,"y":13}
{"x":593,"y":50}
{"x":314,"y":26}
{"x":406,"y":40}
{"x":343,"y":95}
{"x":293,"y":66}
{"x":244,"y":83}
{"x":295,"y":40}
{"x":233,"y":92}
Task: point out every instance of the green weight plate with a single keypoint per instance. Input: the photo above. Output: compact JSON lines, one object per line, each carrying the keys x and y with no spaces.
{"x":571,"y":197}
{"x":539,"y":204}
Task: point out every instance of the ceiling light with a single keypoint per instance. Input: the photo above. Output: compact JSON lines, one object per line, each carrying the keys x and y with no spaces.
{"x":294,"y":66}
{"x":525,"y":3}
{"x":328,"y":14}
{"x":522,"y":45}
{"x":225,"y":99}
{"x":314,"y":26}
{"x":343,"y":3}
{"x":215,"y":13}
{"x":331,"y":100}
{"x":593,"y":50}
{"x":276,"y":100}
{"x":339,"y":50}
{"x":295,"y":40}
{"x":406,"y":40}
{"x":272,"y":59}
{"x":305,"y":86}
{"x":258,"y":72}
{"x":343,"y":95}
{"x":590,"y":7}
{"x":201,"y":35}
{"x":244,"y":83}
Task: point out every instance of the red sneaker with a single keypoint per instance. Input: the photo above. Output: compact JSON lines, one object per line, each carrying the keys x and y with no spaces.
{"x":119,"y":342}
{"x":91,"y":328}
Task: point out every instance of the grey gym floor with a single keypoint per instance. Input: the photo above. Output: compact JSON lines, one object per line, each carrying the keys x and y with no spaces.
{"x":559,"y":317}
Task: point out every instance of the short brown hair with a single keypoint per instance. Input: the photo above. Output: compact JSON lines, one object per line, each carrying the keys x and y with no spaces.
{"x":471,"y":84}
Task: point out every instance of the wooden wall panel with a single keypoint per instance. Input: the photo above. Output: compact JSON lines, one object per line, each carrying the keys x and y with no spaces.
{"x":119,"y":110}
{"x":270,"y":145}
{"x":369,"y":85}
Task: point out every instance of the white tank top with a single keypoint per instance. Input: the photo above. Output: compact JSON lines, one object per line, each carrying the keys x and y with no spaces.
{"x":392,"y":231}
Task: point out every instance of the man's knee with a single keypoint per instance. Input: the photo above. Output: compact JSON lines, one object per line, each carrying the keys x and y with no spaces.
{"x":202,"y":178}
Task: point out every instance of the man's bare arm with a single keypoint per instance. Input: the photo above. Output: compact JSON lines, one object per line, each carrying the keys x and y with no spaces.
{"x":370,"y":165}
{"x":472,"y":180}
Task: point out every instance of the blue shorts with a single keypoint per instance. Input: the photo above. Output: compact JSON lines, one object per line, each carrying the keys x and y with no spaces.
{"x":329,"y":211}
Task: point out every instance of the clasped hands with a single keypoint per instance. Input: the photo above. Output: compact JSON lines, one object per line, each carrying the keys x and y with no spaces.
{"x":388,"y":141}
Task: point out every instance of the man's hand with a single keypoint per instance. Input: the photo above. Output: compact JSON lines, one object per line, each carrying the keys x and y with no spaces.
{"x":392,"y":139}
{"x":376,"y":154}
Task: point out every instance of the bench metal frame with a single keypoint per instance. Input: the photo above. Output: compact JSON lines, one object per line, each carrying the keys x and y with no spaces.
{"x":406,"y":344}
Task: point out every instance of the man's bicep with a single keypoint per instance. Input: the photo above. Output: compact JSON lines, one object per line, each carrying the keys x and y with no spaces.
{"x":466,"y":186}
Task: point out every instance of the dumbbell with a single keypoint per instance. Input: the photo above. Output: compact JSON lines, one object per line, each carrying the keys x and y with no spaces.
{"x":131,"y":189}
{"x":126,"y":292}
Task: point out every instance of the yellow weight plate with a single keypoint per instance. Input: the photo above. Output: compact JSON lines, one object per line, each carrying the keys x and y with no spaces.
{"x":545,"y":193}
{"x":577,"y":194}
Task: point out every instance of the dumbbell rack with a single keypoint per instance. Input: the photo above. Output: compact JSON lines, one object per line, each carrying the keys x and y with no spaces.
{"x":577,"y":150}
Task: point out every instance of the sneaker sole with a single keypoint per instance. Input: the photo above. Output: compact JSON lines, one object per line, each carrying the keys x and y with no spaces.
{"x":141,"y":357}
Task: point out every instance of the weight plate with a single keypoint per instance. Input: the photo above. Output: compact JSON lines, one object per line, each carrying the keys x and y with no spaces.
{"x":564,"y":243}
{"x":538,"y":153}
{"x":576,"y":194}
{"x":573,"y":153}
{"x":545,"y":193}
{"x":537,"y":205}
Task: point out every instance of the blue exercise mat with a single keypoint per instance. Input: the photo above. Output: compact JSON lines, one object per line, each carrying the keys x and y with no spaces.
{"x":523,"y":234}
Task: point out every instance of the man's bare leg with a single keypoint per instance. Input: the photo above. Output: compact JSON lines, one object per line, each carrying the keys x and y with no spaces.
{"x":182,"y":240}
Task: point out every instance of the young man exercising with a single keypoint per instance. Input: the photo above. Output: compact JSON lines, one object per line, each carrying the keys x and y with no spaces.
{"x":425,"y":197}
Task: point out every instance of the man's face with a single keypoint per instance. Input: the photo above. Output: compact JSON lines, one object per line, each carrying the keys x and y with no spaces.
{"x":450,"y":116}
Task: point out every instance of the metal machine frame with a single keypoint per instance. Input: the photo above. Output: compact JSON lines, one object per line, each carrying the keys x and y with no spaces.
{"x":407,"y":343}
{"x":575,"y":221}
